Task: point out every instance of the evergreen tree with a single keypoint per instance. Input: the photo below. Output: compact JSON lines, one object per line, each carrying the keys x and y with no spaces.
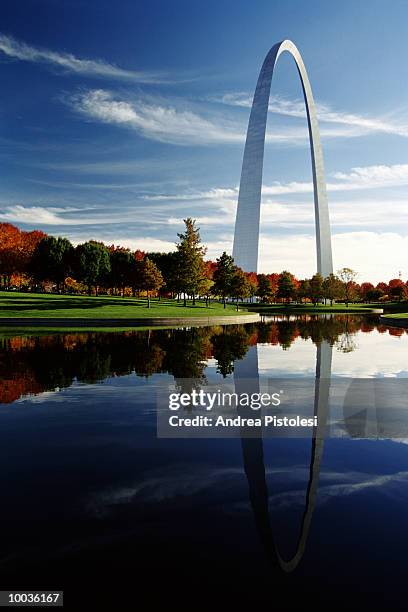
{"x":191,"y":260}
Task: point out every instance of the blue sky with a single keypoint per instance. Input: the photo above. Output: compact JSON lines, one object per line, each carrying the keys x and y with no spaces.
{"x":119,"y":119}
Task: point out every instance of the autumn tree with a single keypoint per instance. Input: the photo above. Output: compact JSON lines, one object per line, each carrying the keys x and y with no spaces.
{"x":366,"y":289}
{"x":383,"y":287}
{"x":151,"y":278}
{"x":264,"y":287}
{"x":397,"y":289}
{"x":240,"y":287}
{"x":303,"y":291}
{"x":191,"y":260}
{"x":316,"y":288}
{"x":348,"y":280}
{"x":11,"y":251}
{"x":223,"y":275}
{"x":205,"y":288}
{"x":29,"y":243}
{"x":274,"y":280}
{"x":252,"y":283}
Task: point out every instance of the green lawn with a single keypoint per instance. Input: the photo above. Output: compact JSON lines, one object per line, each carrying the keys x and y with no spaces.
{"x":32,"y":305}
{"x":398,"y":315}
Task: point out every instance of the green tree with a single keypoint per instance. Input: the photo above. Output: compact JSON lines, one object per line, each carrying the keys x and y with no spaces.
{"x":93,"y":264}
{"x":264,"y":287}
{"x":223,"y":275}
{"x":240,"y":286}
{"x":205,"y":289}
{"x":332,"y":288}
{"x":151,"y":277}
{"x":191,"y":253}
{"x":121,"y":262}
{"x":52,"y":260}
{"x":373,"y":295}
{"x":168,"y":264}
{"x":286,"y":286}
{"x":316,"y":288}
{"x":303,"y":290}
{"x":348,"y":281}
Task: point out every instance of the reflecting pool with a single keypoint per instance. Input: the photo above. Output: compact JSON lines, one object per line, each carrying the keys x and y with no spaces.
{"x":94,"y":502}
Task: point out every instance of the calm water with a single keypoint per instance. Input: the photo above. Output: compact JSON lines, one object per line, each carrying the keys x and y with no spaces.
{"x":93,"y":501}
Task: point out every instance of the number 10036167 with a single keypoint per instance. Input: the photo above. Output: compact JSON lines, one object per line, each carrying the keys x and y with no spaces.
{"x":31,"y":598}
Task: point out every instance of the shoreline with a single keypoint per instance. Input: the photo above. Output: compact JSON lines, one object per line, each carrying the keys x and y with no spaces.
{"x":133,"y":322}
{"x":395,"y":321}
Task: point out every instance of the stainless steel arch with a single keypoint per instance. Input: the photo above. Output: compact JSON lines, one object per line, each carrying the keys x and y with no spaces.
{"x":246,"y":238}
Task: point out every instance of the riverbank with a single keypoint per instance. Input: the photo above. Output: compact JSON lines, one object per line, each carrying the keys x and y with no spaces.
{"x":90,"y":322}
{"x":393,"y":320}
{"x":266,"y":309}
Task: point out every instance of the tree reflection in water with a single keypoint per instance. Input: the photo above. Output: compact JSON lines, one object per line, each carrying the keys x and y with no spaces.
{"x":34,"y":364}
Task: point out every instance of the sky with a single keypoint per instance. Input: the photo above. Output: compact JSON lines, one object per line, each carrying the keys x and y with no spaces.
{"x":120,"y":119}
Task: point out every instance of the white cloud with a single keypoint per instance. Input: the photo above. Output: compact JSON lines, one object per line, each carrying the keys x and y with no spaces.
{"x":40,"y":215}
{"x":67,"y":61}
{"x":163,"y":123}
{"x":375,"y":176}
{"x":296,"y":108}
{"x":368,"y":177}
{"x":374,"y":255}
{"x":168,"y":123}
{"x":144,"y":243}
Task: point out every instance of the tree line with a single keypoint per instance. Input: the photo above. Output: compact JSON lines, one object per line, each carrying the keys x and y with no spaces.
{"x":34,"y":261}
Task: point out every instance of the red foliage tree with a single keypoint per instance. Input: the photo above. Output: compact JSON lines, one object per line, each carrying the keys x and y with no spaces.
{"x":364,"y":289}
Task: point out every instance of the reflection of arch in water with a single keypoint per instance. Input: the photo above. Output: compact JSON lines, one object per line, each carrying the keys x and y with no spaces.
{"x":252,"y":450}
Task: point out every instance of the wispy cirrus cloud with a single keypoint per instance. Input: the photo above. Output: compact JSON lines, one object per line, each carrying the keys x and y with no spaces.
{"x":367,"y":177}
{"x":155,"y":121}
{"x":296,"y":108}
{"x":15,"y":49}
{"x":42,"y":215}
{"x":175,"y":124}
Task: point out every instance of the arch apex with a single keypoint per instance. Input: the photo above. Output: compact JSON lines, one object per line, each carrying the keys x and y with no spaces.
{"x":246,"y":236}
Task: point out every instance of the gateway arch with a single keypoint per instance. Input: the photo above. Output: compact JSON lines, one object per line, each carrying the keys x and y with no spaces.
{"x":246,"y":238}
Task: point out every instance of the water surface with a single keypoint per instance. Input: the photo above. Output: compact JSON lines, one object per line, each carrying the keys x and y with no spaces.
{"x":93,"y":501}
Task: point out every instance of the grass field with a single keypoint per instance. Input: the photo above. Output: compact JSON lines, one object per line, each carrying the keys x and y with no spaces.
{"x":32,"y":305}
{"x":399,"y":315}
